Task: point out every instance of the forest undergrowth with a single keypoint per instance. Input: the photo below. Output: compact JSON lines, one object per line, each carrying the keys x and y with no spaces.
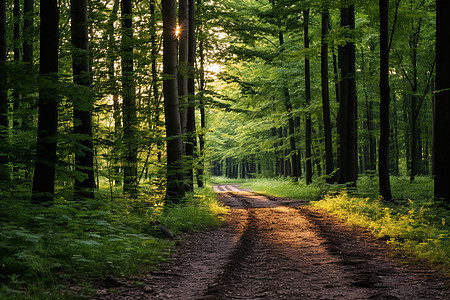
{"x":46,"y":251}
{"x":411,"y":223}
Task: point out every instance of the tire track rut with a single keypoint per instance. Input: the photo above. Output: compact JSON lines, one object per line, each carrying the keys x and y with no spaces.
{"x":273,"y":248}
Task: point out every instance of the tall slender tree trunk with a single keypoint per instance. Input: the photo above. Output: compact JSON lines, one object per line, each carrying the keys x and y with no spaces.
{"x":191,"y":144}
{"x":44,"y":171}
{"x":298,"y":138}
{"x":175,"y":184}
{"x":383,"y":151}
{"x":308,"y":157}
{"x":82,"y":110}
{"x":16,"y":46}
{"x":329,"y":166}
{"x":442,"y":104}
{"x":281,"y":152}
{"x":348,"y":160}
{"x":201,"y":135}
{"x":27,"y":45}
{"x":288,"y":104}
{"x":4,"y":174}
{"x":129,"y":103}
{"x":182,"y":77}
{"x":112,"y":85}
{"x":407,"y":133}
{"x":27,"y":57}
{"x":287,"y":160}
{"x":414,"y":110}
{"x":395,"y":168}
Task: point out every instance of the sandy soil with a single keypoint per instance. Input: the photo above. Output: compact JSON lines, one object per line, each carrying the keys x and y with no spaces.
{"x":273,"y":248}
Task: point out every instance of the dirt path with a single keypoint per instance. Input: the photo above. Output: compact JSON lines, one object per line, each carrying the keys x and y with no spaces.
{"x":273,"y":248}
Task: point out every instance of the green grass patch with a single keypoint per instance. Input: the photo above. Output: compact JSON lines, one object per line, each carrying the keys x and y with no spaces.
{"x":225,"y":180}
{"x":43,"y":250}
{"x":416,"y":227}
{"x":285,"y":188}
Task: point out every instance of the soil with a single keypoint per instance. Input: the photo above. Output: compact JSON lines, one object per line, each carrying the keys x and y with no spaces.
{"x":273,"y":248}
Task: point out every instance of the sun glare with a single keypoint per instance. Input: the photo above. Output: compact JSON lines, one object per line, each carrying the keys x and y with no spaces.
{"x":177,"y":31}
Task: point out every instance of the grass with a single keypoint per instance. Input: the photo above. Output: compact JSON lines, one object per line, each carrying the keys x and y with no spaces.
{"x":284,"y":188}
{"x":225,"y":180}
{"x":45,"y":250}
{"x":411,"y":223}
{"x":415,"y":227}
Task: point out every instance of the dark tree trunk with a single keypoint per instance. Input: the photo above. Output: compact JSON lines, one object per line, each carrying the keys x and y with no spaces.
{"x":112,"y":85}
{"x":407,"y":134}
{"x":27,"y":57}
{"x":442,"y":104}
{"x":82,"y":110}
{"x":372,"y":138}
{"x":287,"y":159}
{"x":281,"y":152}
{"x":191,"y":143}
{"x":129,"y":103}
{"x":308,"y":157}
{"x":383,"y":151}
{"x":288,"y":104}
{"x":414,"y":110}
{"x":44,"y":171}
{"x":175,"y":184}
{"x":16,"y":46}
{"x":201,"y":134}
{"x":4,"y":174}
{"x":326,"y":100}
{"x":298,"y":142}
{"x":183,"y":49}
{"x":395,"y":167}
{"x":28,"y":31}
{"x":348,"y":156}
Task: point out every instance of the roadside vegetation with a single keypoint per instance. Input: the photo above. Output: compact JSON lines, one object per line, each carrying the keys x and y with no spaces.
{"x":47,"y":250}
{"x":411,"y":222}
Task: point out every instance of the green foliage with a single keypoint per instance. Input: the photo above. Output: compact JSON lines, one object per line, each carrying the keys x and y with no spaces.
{"x":416,"y":227}
{"x":200,"y":211}
{"x":43,"y":248}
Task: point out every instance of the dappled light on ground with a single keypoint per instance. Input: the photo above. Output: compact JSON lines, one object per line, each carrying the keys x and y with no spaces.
{"x":273,"y":248}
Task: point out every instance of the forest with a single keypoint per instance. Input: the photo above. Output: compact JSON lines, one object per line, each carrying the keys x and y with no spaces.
{"x":118,"y":117}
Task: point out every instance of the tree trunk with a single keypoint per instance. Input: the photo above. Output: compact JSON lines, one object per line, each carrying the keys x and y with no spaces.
{"x":288,"y":104}
{"x":44,"y":171}
{"x":28,"y":31}
{"x":183,"y":51}
{"x":395,"y":167}
{"x":201,"y":140}
{"x":442,"y":104}
{"x":175,"y":184}
{"x":383,"y":151}
{"x":4,"y":174}
{"x":326,"y":100}
{"x":112,"y":86}
{"x":348,"y":172}
{"x":281,"y":152}
{"x":414,"y":110}
{"x":191,"y":144}
{"x":82,"y":110}
{"x":129,"y":103}
{"x":308,"y":157}
{"x":16,"y":96}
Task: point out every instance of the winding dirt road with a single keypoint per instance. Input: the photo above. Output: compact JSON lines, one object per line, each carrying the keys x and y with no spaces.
{"x":272,"y":248}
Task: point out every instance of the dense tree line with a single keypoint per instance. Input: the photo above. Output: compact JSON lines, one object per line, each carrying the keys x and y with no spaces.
{"x":375,"y":119}
{"x":115,"y":92}
{"x":100,"y":92}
